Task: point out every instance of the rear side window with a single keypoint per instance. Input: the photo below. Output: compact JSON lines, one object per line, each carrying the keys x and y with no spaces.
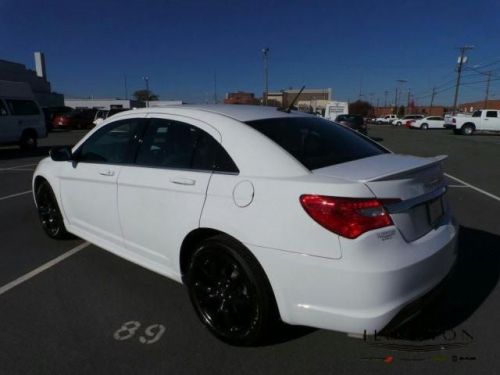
{"x":317,"y":143}
{"x":491,"y":114}
{"x":177,"y":145}
{"x":3,"y":110}
{"x":23,"y":107}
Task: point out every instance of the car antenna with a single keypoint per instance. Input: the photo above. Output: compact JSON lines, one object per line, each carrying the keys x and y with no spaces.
{"x":289,"y":108}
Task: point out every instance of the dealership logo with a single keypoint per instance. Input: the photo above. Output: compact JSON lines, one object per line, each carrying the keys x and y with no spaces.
{"x":428,"y":342}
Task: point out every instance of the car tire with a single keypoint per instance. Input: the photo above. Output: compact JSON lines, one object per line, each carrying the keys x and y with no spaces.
{"x":49,"y":213}
{"x":399,"y":123}
{"x":424,"y":127}
{"x":230,"y":292}
{"x":29,"y":140}
{"x":467,"y":129}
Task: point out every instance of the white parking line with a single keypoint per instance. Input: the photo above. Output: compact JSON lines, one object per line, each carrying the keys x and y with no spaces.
{"x":14,"y":195}
{"x":16,"y":170}
{"x":19,"y":166}
{"x":474,"y":187}
{"x":42,"y":268}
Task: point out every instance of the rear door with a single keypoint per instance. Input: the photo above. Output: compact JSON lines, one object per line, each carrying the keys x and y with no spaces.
{"x":491,"y":121}
{"x":436,"y":122}
{"x":27,"y":115}
{"x":161,"y":197}
{"x":8,"y":125}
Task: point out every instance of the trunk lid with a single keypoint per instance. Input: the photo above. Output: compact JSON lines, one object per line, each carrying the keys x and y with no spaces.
{"x":417,"y":182}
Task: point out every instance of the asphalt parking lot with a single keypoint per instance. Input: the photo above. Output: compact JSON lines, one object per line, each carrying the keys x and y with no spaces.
{"x":71,"y":308}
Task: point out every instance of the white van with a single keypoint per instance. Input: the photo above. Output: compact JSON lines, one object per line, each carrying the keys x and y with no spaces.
{"x":333,"y":109}
{"x":21,"y":119}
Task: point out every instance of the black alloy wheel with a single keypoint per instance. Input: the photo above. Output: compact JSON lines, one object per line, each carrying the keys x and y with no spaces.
{"x":230,"y":292}
{"x":49,"y":213}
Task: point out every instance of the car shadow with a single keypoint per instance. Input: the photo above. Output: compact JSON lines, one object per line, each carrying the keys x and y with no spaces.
{"x":475,"y":276}
{"x":377,"y":139}
{"x":17,"y":153}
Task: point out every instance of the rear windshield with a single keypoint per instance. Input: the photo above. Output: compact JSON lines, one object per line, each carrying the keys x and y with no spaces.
{"x":315,"y":142}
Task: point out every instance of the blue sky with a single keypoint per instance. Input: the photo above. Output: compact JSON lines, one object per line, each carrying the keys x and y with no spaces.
{"x":350,"y":46}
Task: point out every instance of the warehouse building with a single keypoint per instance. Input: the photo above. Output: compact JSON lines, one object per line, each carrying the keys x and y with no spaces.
{"x":310,"y":100}
{"x":36,"y":79}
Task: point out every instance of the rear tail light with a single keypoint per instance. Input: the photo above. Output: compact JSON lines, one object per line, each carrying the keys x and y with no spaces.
{"x":454,"y":120}
{"x":348,"y":217}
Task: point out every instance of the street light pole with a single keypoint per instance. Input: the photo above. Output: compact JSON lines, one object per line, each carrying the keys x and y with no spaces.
{"x":461,"y":61}
{"x":146,"y":79}
{"x":487,"y":91}
{"x":265,"y":52}
{"x":398,"y":92}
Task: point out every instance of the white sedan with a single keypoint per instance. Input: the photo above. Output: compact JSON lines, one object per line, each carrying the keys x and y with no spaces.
{"x":262,"y":214}
{"x":431,"y":122}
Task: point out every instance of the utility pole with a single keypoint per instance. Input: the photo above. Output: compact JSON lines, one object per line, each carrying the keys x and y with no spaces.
{"x":265,"y":52}
{"x":125,"y":83}
{"x":215,"y":87}
{"x":408,"y":102}
{"x":146,"y":79}
{"x":461,"y":61}
{"x":432,"y":100}
{"x":396,"y":102}
{"x":487,"y":90}
{"x":385,"y":99}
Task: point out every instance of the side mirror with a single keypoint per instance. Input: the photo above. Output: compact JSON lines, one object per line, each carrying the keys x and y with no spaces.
{"x":61,"y":153}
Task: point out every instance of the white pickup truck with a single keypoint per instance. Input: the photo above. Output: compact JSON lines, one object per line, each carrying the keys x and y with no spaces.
{"x":481,"y":120}
{"x":386,"y":119}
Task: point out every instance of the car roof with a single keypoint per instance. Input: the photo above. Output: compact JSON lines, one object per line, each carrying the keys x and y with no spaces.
{"x":239,"y":112}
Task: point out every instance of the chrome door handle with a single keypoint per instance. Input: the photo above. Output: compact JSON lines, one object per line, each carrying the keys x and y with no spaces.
{"x":182,"y":181}
{"x":107,"y":172}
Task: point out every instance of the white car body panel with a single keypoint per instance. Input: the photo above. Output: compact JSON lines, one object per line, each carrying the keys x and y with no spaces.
{"x":318,"y":277}
{"x":430,"y":122}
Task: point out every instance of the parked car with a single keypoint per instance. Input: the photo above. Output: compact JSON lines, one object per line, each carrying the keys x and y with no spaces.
{"x":406,"y":119}
{"x":385,"y":119}
{"x":355,"y":122}
{"x":21,"y":119}
{"x":103,"y":114}
{"x":51,"y":112}
{"x":431,"y":122}
{"x":76,"y":119}
{"x":482,"y":120}
{"x":262,"y":214}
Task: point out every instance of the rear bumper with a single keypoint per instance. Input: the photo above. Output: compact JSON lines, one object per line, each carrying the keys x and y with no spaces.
{"x":450,"y":126}
{"x":362,"y":293}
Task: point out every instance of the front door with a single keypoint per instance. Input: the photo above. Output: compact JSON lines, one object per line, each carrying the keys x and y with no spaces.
{"x":89,"y":184}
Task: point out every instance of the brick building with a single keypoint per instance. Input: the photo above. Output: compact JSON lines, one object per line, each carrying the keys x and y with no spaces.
{"x":480,"y":104}
{"x":436,"y":110}
{"x":240,"y":97}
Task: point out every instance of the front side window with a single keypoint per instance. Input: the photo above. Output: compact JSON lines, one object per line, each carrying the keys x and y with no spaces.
{"x":23,"y":107}
{"x":476,"y":114}
{"x":112,"y":144}
{"x":176,"y":145}
{"x":317,"y":143}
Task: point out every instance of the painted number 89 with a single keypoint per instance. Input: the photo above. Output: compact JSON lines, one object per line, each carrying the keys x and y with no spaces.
{"x":152,"y":333}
